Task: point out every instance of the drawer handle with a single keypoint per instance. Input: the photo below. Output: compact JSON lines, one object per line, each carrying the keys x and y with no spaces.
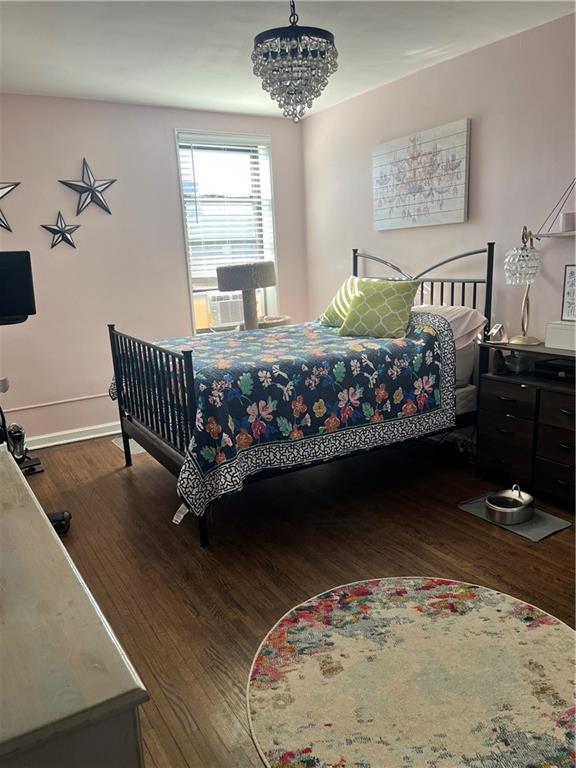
{"x":562,"y":482}
{"x":504,"y":431}
{"x":568,"y":413}
{"x":510,"y":416}
{"x":566,"y":446}
{"x":506,"y":399}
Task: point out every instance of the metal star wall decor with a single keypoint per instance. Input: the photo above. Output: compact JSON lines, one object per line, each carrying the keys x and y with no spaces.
{"x":61,"y":232}
{"x":89,"y":189}
{"x":5,"y":188}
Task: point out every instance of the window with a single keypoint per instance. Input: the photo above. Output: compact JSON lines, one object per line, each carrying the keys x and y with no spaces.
{"x":228,"y":219}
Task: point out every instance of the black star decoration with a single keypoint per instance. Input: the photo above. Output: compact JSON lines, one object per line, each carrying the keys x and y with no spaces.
{"x":61,"y":232}
{"x":5,"y":188}
{"x":90,"y":189}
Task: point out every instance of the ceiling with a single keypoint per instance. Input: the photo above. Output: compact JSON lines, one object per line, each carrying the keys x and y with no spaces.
{"x":197,"y":54}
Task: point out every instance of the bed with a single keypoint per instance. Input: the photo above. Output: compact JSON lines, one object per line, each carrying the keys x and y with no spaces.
{"x":220,"y":409}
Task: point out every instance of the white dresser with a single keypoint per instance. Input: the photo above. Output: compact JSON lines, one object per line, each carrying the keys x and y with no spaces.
{"x":69,"y":696}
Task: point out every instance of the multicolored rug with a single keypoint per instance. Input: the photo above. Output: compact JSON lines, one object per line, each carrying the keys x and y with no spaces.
{"x":414,"y":673}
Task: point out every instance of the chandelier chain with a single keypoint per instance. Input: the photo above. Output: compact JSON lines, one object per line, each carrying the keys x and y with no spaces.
{"x":293,"y":18}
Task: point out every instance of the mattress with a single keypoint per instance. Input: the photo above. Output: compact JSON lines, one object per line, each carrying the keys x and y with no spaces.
{"x":466,"y":399}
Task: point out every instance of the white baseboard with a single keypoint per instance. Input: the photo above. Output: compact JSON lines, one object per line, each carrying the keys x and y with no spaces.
{"x":73,"y":435}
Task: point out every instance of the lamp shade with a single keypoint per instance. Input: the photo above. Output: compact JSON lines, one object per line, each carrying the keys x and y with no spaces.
{"x":246,"y":277}
{"x":16,"y":287}
{"x":521,"y":265}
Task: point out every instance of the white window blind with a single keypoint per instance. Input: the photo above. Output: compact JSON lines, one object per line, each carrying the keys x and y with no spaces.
{"x":227,"y":202}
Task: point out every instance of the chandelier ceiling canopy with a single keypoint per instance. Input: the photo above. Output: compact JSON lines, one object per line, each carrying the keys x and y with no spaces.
{"x":294,"y":64}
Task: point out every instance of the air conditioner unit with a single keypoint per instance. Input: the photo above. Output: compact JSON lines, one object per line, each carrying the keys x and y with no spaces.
{"x":226,"y":309}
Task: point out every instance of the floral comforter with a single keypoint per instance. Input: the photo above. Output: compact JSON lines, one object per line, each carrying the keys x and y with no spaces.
{"x":302,"y":393}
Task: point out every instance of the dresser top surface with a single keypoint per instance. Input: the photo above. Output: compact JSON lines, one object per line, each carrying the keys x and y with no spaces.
{"x":535,"y":349}
{"x":61,"y":665}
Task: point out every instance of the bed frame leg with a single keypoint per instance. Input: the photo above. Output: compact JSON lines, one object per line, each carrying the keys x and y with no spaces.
{"x":127,"y":453}
{"x":203,"y":529}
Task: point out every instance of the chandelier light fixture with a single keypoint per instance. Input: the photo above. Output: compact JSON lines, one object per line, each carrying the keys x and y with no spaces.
{"x":294,"y":64}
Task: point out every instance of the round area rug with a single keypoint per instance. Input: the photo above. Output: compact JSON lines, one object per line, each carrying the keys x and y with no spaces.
{"x":414,"y":673}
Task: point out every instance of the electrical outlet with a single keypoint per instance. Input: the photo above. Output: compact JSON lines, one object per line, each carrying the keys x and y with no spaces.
{"x":4,"y":384}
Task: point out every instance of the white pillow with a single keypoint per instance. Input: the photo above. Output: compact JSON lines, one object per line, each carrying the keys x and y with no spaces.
{"x":466,"y":323}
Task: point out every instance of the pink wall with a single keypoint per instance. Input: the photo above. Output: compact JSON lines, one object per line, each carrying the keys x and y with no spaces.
{"x":519,"y":94}
{"x":128,"y":268}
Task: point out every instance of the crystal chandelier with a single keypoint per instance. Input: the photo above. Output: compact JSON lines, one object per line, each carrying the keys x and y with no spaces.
{"x":294,"y":64}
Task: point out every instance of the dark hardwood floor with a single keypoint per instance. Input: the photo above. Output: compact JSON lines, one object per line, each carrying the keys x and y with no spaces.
{"x":191,"y":619}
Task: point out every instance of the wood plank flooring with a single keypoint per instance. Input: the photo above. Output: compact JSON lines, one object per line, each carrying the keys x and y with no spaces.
{"x":191,"y":619}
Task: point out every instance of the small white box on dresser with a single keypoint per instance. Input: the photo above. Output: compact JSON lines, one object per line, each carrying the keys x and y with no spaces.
{"x":561,"y":335}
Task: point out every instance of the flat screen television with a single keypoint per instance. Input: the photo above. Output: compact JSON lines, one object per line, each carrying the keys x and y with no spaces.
{"x":16,"y":287}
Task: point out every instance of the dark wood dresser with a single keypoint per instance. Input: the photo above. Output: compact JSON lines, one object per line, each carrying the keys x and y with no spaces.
{"x":526,"y":426}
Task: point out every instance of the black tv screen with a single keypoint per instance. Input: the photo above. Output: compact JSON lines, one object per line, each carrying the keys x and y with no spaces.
{"x":16,"y":287}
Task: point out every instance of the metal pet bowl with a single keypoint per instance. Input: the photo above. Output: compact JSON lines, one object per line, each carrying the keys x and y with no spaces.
{"x":509,"y":507}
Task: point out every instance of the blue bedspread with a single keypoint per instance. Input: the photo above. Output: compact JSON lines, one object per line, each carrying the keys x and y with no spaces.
{"x":302,"y":393}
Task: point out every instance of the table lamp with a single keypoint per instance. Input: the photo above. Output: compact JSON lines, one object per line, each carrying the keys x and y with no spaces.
{"x":247,"y":278}
{"x":521,"y":266}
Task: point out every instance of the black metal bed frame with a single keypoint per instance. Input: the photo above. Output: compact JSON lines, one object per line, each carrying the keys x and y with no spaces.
{"x":155,"y":386}
{"x":430,"y":283}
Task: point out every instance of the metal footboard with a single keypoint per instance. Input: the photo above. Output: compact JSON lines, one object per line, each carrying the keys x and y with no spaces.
{"x":156,"y":399}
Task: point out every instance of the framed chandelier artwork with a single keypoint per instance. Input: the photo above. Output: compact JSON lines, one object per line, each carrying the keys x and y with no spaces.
{"x":422,"y":179}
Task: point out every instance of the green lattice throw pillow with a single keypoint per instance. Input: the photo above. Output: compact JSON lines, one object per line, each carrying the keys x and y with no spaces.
{"x":380,"y":308}
{"x":337,"y":310}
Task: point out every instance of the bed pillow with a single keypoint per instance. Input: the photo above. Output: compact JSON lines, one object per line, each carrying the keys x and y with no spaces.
{"x":336,"y":311}
{"x":380,"y":308}
{"x":466,"y":323}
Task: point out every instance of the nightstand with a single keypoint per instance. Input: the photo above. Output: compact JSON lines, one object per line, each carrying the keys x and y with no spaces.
{"x":526,"y":420}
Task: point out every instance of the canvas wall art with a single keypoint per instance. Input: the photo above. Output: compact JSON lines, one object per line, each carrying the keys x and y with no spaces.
{"x":422,"y":179}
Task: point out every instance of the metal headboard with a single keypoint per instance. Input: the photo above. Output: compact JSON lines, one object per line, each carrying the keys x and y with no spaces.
{"x":445,"y":289}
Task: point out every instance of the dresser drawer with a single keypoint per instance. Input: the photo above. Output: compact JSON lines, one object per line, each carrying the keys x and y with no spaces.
{"x":556,"y":444}
{"x":508,"y":398}
{"x":496,"y":460}
{"x":555,"y":478}
{"x":505,"y":429}
{"x":557,"y":409}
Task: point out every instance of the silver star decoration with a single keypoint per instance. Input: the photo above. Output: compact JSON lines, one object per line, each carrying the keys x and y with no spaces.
{"x":61,"y":232}
{"x":90,"y":189}
{"x":5,"y":188}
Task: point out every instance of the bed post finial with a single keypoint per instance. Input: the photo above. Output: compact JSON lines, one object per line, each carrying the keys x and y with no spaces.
{"x":355,"y":262}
